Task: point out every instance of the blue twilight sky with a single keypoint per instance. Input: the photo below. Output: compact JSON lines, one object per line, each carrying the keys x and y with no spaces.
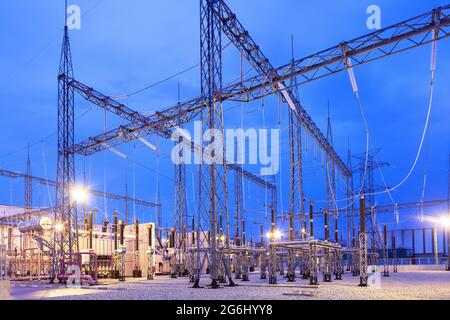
{"x":124,"y":46}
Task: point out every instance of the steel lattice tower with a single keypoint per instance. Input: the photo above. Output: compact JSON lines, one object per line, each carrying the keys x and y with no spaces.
{"x":180,"y":213}
{"x":66,"y":239}
{"x":296,"y":193}
{"x":331,"y":181}
{"x":368,"y":190}
{"x":213,"y":202}
{"x":238,"y":205}
{"x":350,"y":207}
{"x":28,"y":185}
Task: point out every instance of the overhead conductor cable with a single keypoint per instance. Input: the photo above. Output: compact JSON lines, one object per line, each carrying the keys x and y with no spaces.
{"x":427,"y":121}
{"x":356,"y":91}
{"x":430,"y":105}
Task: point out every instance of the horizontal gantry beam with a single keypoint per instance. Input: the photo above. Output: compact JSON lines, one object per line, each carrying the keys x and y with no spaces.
{"x":13,"y":220}
{"x":382,"y":43}
{"x":250,"y":176}
{"x":112,"y":196}
{"x":385,"y":208}
{"x":160,"y":123}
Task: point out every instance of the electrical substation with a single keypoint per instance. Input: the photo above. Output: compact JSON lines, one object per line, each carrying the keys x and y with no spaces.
{"x":209,"y":240}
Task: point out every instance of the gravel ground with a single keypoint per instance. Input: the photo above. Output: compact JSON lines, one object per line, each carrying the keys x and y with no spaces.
{"x":405,"y":285}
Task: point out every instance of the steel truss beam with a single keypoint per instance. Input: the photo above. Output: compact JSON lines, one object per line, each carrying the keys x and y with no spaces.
{"x":399,"y":37}
{"x":28,"y":201}
{"x":25,"y":215}
{"x":161,"y":123}
{"x":386,"y":208}
{"x":240,"y":37}
{"x":112,"y":196}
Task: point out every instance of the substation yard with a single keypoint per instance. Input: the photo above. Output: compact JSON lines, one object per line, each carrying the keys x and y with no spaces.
{"x":311,"y":215}
{"x":417,"y":285}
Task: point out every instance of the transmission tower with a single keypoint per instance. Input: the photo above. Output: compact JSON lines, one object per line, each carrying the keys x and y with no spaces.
{"x":369,"y":188}
{"x":296,"y":195}
{"x":127,"y":214}
{"x":296,"y":192}
{"x":66,"y":236}
{"x":180,"y":213}
{"x":213,"y":204}
{"x":331,"y":180}
{"x":352,"y":240}
{"x":238,"y":204}
{"x":28,"y":185}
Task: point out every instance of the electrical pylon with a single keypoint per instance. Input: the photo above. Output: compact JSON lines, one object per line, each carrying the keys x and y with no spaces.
{"x":213,"y":204}
{"x":28,"y":185}
{"x":180,"y":217}
{"x":369,"y":188}
{"x":66,"y":235}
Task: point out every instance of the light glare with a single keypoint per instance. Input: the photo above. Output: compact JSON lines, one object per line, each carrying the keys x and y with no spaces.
{"x":79,"y":194}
